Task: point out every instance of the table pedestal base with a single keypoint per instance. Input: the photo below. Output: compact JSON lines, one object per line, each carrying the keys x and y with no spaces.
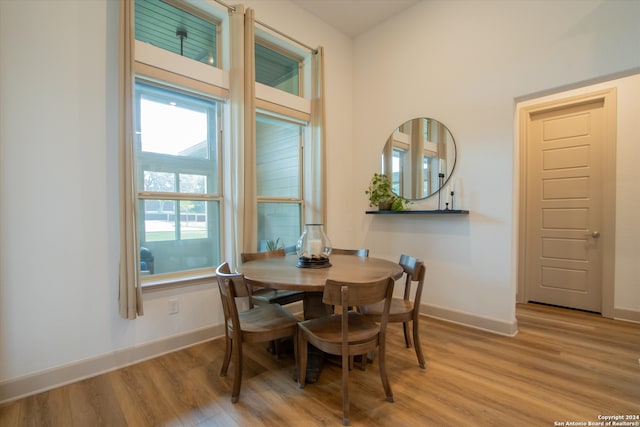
{"x":314,"y":307}
{"x":315,"y":361}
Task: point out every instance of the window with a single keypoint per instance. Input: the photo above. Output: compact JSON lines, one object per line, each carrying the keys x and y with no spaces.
{"x":277,"y":70}
{"x":279,"y":177}
{"x":183,"y":65}
{"x":282,"y":123}
{"x":430,"y":170}
{"x":399,"y":164}
{"x":428,"y":180}
{"x":178,"y":107}
{"x":177,"y":174}
{"x":176,"y":30}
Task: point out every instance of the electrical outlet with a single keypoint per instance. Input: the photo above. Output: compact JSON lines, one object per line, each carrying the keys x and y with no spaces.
{"x":173,"y":306}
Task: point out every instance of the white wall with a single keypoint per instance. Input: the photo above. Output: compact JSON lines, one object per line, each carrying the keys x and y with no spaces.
{"x":59,"y":198}
{"x":58,"y":253}
{"x":465,"y":63}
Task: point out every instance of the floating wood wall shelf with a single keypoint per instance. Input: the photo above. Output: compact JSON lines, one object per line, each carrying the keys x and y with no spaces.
{"x":425,"y":212}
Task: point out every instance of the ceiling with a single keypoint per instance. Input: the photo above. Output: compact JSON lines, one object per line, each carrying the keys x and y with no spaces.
{"x":353,"y":17}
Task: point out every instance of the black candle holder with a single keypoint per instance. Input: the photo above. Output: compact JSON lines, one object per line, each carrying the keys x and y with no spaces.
{"x":313,"y":262}
{"x":452,"y":197}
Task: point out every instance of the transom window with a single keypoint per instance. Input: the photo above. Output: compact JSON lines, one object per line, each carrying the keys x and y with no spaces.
{"x":277,"y":69}
{"x":176,"y":30}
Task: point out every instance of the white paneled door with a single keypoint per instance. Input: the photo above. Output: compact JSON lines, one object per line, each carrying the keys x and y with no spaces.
{"x":566,"y":148}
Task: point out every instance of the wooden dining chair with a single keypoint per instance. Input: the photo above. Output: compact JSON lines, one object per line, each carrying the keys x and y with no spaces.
{"x":356,"y":252}
{"x":257,"y":324}
{"x":403,"y":309}
{"x":264,"y":296}
{"x":348,"y":333}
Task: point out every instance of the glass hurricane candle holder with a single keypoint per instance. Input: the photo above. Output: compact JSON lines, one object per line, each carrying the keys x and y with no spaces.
{"x":313,"y":247}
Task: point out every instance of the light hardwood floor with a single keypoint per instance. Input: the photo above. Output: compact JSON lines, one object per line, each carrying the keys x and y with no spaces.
{"x":563,"y":366}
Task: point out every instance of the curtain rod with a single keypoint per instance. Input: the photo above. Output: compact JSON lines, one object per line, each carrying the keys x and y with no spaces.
{"x":269,"y":27}
{"x":228,"y":6}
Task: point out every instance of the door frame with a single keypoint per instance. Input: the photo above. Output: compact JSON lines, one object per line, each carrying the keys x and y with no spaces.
{"x":609,"y":96}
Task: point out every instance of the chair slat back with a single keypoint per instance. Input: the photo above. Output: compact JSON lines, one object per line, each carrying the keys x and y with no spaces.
{"x":232,"y":286}
{"x":348,"y":294}
{"x":419,"y":277}
{"x":250,"y":256}
{"x":414,"y":270}
{"x":222,"y":273}
{"x":356,"y":252}
{"x":362,"y":293}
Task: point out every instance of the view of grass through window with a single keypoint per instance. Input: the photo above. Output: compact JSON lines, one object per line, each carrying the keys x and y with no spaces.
{"x":177,"y":178}
{"x":172,"y":130}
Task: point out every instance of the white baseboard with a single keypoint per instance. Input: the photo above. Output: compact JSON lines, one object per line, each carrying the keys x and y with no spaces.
{"x":55,"y":377}
{"x":626,"y":315}
{"x":496,"y":326}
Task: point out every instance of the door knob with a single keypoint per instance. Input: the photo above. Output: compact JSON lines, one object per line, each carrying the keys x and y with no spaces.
{"x":595,"y":234}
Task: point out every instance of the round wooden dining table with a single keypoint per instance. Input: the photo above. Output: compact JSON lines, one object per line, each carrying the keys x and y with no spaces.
{"x":282,"y":273}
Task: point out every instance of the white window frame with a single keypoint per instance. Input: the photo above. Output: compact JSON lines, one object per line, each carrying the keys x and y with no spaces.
{"x":299,"y":199}
{"x":288,"y":107}
{"x":159,"y":66}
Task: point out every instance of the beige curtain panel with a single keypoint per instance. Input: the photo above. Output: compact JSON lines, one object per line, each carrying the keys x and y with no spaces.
{"x":317,"y":181}
{"x":236,"y":132}
{"x":130,"y":292}
{"x":250,"y":241}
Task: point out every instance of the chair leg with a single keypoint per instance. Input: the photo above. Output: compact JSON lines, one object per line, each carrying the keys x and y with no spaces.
{"x":302,"y":359}
{"x":371,"y":356}
{"x":276,"y":349}
{"x":237,"y":371}
{"x":345,"y":388}
{"x":296,"y":352}
{"x":383,"y":372}
{"x":228,"y":344}
{"x":407,"y":337}
{"x":416,"y":343}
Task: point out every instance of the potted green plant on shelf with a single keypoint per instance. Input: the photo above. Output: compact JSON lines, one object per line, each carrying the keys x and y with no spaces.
{"x":381,"y":194}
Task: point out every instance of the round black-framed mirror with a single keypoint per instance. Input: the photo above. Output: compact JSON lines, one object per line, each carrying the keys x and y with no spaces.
{"x":419,"y":157}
